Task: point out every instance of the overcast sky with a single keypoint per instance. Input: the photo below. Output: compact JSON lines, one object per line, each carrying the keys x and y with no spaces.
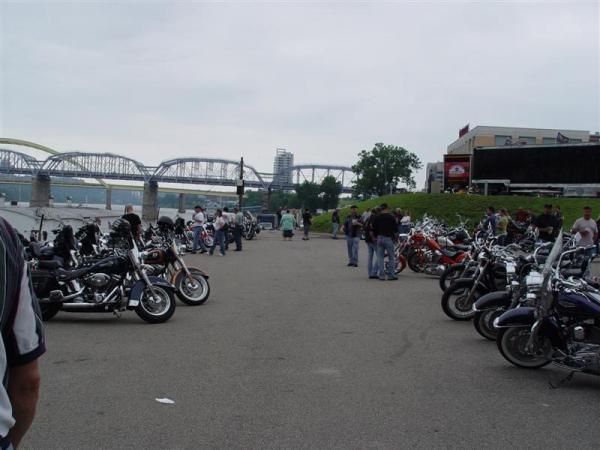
{"x":156,"y":80}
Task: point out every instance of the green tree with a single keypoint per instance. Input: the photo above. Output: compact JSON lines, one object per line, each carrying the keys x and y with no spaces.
{"x":308,"y":195}
{"x":330,"y":192}
{"x":383,"y":168}
{"x":280,"y":199}
{"x":253,"y":198}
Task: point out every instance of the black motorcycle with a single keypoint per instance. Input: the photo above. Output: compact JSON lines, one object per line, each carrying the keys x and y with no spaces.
{"x":110,"y":284}
{"x":563,"y":327}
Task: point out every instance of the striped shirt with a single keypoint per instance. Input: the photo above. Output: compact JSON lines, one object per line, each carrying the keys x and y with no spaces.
{"x":21,"y":331}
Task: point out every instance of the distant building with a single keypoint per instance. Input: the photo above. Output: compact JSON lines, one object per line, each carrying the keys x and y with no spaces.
{"x":434,"y":177}
{"x":284,"y":160}
{"x":486,"y":136}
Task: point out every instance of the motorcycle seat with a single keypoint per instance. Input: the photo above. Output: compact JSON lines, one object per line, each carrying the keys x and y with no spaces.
{"x":66,"y":275}
{"x":50,"y":264}
{"x":46,"y":252}
{"x":35,"y":248}
{"x":457,"y":247}
{"x":570,"y":272}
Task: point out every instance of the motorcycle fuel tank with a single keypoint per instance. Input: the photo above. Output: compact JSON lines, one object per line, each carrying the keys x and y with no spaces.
{"x":578,"y":304}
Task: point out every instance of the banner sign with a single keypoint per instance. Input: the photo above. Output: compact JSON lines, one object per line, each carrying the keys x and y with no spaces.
{"x":457,"y":170}
{"x":464,"y":130}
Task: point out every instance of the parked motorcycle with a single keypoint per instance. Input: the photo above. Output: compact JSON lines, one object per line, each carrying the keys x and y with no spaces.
{"x":110,"y":284}
{"x":562,"y":328}
{"x":163,"y":258}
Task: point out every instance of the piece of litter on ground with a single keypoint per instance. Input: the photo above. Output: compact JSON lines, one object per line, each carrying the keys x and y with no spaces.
{"x":546,"y":405}
{"x":166,"y":401}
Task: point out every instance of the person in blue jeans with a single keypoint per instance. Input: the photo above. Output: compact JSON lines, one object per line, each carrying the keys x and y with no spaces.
{"x":352,"y":229}
{"x":372,"y":264}
{"x":385,"y":229}
{"x":219,"y":223}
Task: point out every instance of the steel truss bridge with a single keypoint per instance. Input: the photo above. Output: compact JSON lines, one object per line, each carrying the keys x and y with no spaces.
{"x":184,"y":170}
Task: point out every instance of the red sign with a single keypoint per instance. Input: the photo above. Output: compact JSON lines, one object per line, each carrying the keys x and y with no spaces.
{"x":457,"y":170}
{"x":464,"y":130}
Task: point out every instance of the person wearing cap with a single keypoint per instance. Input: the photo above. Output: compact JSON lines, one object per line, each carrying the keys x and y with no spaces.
{"x":385,"y":229}
{"x":352,"y":229}
{"x":547,"y":224}
{"x":197,"y":227}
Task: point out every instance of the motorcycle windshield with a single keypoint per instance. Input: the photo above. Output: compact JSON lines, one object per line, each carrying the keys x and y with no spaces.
{"x":547,"y":297}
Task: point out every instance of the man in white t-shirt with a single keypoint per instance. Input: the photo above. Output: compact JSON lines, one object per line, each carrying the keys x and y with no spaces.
{"x":588,"y":230}
{"x":197,"y":227}
{"x":586,"y":227}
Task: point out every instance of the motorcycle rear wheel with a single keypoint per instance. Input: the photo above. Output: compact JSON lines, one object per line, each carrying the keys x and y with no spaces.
{"x":417,"y":261}
{"x":511,"y":343}
{"x":156,"y":312}
{"x":186,"y":293}
{"x":484,"y":323}
{"x":49,"y":311}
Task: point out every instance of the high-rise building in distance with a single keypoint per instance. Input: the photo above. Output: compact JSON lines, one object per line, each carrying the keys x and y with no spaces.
{"x":284,"y":160}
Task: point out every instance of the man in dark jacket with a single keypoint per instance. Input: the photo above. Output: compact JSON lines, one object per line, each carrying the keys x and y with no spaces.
{"x":352,"y":230}
{"x":306,"y":223}
{"x":547,"y":224}
{"x":385,"y":229}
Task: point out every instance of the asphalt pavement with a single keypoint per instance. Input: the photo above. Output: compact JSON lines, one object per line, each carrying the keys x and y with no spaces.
{"x":296,"y":350}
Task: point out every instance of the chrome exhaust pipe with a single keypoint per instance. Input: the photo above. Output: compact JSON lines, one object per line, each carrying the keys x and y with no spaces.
{"x":78,"y":306}
{"x":58,"y":297}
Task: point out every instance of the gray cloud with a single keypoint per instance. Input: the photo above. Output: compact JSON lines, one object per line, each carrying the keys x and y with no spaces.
{"x":157,"y":80}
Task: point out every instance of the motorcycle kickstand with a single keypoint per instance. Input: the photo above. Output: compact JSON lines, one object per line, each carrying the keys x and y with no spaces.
{"x":117,"y":313}
{"x":562,"y":381}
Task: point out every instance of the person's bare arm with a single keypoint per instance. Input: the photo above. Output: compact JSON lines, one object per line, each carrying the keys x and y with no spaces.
{"x":23,"y":390}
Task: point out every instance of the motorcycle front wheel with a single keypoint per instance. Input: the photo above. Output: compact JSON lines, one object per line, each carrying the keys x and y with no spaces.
{"x":156,"y":310}
{"x":194,"y":291}
{"x":456,"y":303}
{"x":483,"y":321}
{"x":450,"y":274}
{"x":512,"y":342}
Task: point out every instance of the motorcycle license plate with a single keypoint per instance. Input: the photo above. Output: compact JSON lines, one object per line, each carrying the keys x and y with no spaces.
{"x":133,"y":303}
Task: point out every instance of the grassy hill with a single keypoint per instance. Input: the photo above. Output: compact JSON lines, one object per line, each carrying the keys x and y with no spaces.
{"x":472,"y":207}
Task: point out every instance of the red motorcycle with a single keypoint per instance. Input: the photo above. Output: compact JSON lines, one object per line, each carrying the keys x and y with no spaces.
{"x":431,"y":255}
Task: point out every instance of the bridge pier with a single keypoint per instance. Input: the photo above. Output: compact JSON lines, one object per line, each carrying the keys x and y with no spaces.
{"x":108,"y":198}
{"x":40,"y":191}
{"x":181,"y":208}
{"x":150,"y":201}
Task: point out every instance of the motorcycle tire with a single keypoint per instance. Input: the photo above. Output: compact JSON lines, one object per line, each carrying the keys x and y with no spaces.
{"x":455,"y":303}
{"x":401,"y":264}
{"x":187,"y":296}
{"x":450,"y":274}
{"x":49,"y":311}
{"x":511,"y":343}
{"x":150,"y":312}
{"x":209,"y":241}
{"x":416,"y":261}
{"x":483,"y":321}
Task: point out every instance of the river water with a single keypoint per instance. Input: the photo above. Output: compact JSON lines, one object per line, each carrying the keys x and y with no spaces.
{"x":25,"y":219}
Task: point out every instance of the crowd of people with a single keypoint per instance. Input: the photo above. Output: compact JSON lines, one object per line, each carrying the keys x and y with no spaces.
{"x":380,"y":227}
{"x":548,"y":224}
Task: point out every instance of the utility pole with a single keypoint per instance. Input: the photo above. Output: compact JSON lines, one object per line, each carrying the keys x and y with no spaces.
{"x":240,"y":184}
